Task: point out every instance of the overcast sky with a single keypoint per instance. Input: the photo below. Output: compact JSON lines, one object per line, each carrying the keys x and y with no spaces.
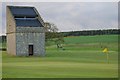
{"x":73,"y":16}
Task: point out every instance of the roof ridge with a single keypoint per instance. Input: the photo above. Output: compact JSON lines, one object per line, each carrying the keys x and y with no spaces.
{"x":25,"y":19}
{"x":22,"y":6}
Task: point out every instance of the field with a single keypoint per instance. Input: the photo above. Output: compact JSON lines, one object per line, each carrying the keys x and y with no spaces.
{"x":82,"y":58}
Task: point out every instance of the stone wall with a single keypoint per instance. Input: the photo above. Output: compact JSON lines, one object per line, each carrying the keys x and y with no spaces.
{"x":10,"y":22}
{"x":30,"y":29}
{"x":10,"y":27}
{"x":11,"y":44}
{"x":23,"y":40}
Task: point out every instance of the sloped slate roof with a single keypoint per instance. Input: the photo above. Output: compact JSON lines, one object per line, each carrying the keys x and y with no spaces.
{"x":23,"y":11}
{"x":25,"y":16}
{"x":28,"y":23}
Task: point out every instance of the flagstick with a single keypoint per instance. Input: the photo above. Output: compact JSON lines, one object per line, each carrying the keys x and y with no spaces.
{"x":107,"y":58}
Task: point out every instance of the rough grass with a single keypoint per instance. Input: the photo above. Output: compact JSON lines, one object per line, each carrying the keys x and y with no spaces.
{"x":82,"y":58}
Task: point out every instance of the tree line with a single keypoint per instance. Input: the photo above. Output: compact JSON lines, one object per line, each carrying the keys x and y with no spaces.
{"x":3,"y":38}
{"x":92,"y":32}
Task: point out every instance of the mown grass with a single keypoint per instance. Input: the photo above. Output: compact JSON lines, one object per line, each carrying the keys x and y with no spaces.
{"x":91,"y":39}
{"x":82,"y":58}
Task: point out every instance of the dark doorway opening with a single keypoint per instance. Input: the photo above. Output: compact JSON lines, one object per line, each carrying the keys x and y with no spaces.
{"x":30,"y":50}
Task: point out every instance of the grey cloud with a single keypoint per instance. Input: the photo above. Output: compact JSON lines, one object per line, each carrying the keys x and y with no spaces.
{"x":84,"y":15}
{"x":0,"y":18}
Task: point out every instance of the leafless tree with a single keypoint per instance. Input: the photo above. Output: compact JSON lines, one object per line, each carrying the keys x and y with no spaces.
{"x":52,"y":34}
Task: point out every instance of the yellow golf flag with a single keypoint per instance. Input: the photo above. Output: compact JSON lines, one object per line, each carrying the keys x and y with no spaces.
{"x":105,"y":50}
{"x":107,"y":55}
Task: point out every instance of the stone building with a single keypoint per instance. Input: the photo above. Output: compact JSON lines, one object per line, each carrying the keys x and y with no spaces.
{"x":25,"y":31}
